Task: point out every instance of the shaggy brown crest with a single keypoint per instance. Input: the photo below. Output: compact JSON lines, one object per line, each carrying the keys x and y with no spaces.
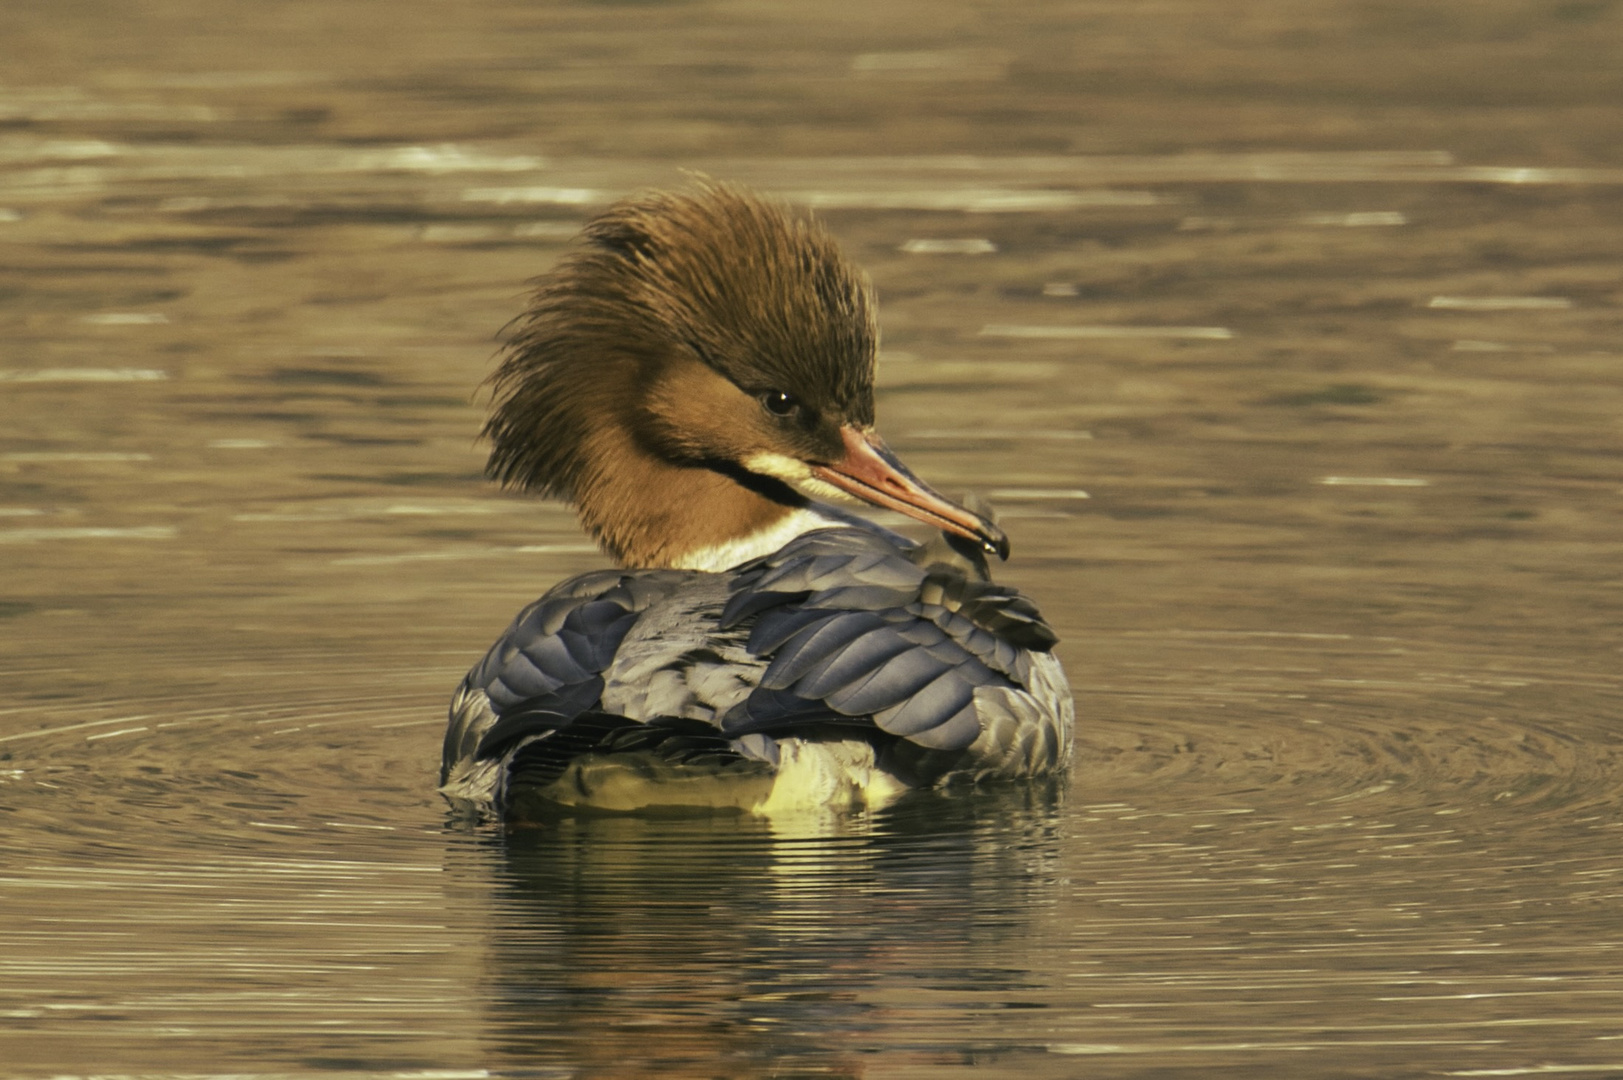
{"x":658,"y":283}
{"x":695,"y":367}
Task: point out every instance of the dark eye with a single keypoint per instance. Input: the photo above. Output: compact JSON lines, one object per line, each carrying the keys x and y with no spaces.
{"x":779,"y":403}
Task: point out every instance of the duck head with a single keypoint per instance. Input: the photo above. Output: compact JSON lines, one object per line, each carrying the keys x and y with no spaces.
{"x":695,"y":371}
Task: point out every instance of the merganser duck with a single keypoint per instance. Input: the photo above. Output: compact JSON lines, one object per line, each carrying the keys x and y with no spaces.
{"x":696,"y":377}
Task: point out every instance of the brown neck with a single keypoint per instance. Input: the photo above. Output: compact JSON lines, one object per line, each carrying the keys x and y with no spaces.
{"x":649,"y":512}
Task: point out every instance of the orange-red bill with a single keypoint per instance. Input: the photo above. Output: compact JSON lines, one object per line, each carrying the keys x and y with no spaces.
{"x":873,"y":474}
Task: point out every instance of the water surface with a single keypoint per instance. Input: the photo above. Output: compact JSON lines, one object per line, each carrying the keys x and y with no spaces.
{"x":1285,"y":337}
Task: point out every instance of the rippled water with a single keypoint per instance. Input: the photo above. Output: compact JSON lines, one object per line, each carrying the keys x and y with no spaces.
{"x":1319,"y":303}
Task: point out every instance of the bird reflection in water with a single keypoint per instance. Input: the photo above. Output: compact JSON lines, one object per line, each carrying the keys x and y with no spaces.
{"x":630,"y":946}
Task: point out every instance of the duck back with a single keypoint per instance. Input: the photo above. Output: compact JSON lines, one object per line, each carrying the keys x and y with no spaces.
{"x":835,"y":673}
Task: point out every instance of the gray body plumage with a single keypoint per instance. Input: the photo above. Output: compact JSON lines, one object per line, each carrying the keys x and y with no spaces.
{"x":838,"y":665}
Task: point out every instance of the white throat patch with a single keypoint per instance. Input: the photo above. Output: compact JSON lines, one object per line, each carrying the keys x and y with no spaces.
{"x":718,"y":557}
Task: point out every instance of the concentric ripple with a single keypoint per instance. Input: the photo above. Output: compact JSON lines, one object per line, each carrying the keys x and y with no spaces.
{"x":1286,"y":346}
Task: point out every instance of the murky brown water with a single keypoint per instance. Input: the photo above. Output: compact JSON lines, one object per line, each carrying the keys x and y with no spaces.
{"x":1319,"y":301}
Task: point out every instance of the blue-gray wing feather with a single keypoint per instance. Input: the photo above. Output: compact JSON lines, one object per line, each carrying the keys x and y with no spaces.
{"x":839,"y":630}
{"x":849,"y":623}
{"x":550,"y":659}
